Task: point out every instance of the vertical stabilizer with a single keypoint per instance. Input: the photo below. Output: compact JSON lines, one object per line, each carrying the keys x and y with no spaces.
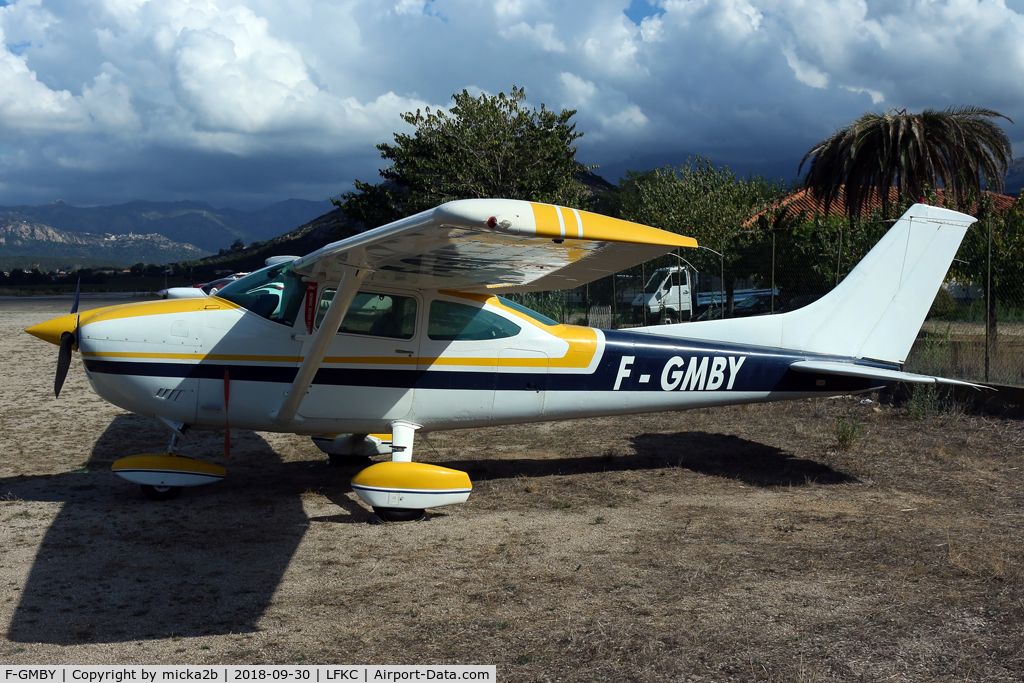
{"x":875,"y":312}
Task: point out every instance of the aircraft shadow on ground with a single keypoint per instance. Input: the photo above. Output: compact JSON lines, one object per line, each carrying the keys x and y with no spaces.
{"x":718,"y":455}
{"x":728,"y":456}
{"x":114,"y":566}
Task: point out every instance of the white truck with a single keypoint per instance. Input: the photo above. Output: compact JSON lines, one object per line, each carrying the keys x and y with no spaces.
{"x":670,"y":296}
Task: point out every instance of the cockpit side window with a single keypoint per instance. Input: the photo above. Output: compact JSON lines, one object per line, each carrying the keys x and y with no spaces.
{"x":274,"y":293}
{"x":375,"y":315}
{"x":450,"y":321}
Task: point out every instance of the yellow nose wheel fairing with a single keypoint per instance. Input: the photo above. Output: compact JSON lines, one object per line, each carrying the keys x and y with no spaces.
{"x":163,"y":475}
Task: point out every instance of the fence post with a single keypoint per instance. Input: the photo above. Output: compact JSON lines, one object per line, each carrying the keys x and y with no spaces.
{"x":643,"y":285}
{"x":586,"y":303}
{"x":722,"y":260}
{"x":773,"y":271}
{"x":988,"y":302}
{"x":615,"y":303}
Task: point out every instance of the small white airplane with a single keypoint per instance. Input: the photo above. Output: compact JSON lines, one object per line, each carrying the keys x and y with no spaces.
{"x":402,"y":328}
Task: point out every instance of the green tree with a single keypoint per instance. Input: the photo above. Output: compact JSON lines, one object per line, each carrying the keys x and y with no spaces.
{"x":484,"y":146}
{"x":704,"y":202}
{"x":804,"y":255}
{"x":956,"y":148}
{"x":998,"y":271}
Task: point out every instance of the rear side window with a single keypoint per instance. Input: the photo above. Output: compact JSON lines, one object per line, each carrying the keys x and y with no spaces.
{"x":375,"y":315}
{"x":450,"y":321}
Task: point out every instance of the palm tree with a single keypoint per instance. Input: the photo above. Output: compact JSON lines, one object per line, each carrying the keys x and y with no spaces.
{"x":953,"y":148}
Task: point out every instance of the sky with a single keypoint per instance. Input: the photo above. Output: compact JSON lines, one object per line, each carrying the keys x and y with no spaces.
{"x":243,"y":104}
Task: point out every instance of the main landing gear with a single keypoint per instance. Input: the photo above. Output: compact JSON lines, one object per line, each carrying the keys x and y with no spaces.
{"x":163,"y":475}
{"x":401,"y":490}
{"x":398,"y":491}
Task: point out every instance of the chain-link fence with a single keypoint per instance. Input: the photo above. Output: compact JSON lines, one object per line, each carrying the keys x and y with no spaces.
{"x":974,"y":330}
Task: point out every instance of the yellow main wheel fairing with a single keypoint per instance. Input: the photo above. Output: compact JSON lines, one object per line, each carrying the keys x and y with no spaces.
{"x":165,"y":470}
{"x":411,"y":486}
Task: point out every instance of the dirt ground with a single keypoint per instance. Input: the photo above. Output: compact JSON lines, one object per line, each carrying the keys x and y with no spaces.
{"x":728,"y":544}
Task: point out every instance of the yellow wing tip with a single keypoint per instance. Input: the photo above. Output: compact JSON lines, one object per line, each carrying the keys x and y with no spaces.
{"x":559,"y":222}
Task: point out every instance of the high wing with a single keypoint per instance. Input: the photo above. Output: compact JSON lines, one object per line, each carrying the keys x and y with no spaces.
{"x":489,"y":244}
{"x":505,"y":244}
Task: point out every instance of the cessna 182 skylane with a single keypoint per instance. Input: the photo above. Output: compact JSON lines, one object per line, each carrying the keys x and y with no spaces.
{"x":402,"y":328}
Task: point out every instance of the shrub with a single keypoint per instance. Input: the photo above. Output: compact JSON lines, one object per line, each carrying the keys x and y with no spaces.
{"x":847,"y":432}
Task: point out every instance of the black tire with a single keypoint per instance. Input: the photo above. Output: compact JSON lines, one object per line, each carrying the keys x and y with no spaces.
{"x":349,"y":461}
{"x":669,"y":317}
{"x":161,"y":492}
{"x":399,"y":515}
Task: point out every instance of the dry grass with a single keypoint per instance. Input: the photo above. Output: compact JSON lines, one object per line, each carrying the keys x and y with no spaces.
{"x":727,"y":544}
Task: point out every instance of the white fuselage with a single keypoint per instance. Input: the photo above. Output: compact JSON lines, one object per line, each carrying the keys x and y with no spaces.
{"x":172,"y":359}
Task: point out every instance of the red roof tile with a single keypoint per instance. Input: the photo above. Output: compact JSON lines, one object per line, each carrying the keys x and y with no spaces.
{"x":804,"y":200}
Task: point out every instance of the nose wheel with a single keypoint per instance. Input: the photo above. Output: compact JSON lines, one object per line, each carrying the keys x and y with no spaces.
{"x":161,"y":492}
{"x":400,"y":514}
{"x":163,"y":475}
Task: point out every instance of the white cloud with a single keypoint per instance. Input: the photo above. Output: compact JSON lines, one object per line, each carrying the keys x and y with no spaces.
{"x":507,"y":10}
{"x":651,"y":30}
{"x":804,"y":72}
{"x":614,"y":112}
{"x":876,"y":97}
{"x":543,"y":35}
{"x":578,"y":91}
{"x":729,"y":19}
{"x":410,"y":6}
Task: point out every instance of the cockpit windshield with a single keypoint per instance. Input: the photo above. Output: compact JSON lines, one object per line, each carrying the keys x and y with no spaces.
{"x":274,"y":293}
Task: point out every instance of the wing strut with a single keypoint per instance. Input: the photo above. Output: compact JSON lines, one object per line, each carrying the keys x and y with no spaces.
{"x":351,"y":279}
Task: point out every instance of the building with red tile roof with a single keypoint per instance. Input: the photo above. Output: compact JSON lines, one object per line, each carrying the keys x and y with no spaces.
{"x":806,"y":201}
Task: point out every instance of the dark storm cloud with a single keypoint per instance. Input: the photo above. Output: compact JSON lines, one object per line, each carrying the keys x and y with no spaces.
{"x":246,"y":103}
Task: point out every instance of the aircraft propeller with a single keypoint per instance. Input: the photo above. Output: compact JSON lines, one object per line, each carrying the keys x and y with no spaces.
{"x":67,"y":341}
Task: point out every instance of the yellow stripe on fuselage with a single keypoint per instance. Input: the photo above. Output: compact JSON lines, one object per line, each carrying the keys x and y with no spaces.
{"x":582,"y":341}
{"x":338,"y":360}
{"x":193,"y":356}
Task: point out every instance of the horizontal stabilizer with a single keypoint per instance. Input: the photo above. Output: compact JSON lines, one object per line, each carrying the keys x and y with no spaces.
{"x":853,"y":370}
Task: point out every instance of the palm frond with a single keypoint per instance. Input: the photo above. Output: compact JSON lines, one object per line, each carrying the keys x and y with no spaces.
{"x":958,"y":148}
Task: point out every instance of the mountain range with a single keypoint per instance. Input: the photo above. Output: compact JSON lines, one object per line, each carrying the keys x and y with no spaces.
{"x":165,"y":232}
{"x":328,"y":228}
{"x":1013,"y":183}
{"x":189,"y":222}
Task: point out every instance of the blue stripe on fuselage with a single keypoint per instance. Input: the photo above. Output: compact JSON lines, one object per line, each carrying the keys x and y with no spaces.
{"x":739,"y":367}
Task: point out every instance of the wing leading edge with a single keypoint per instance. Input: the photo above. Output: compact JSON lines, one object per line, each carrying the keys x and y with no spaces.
{"x":488,"y":244}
